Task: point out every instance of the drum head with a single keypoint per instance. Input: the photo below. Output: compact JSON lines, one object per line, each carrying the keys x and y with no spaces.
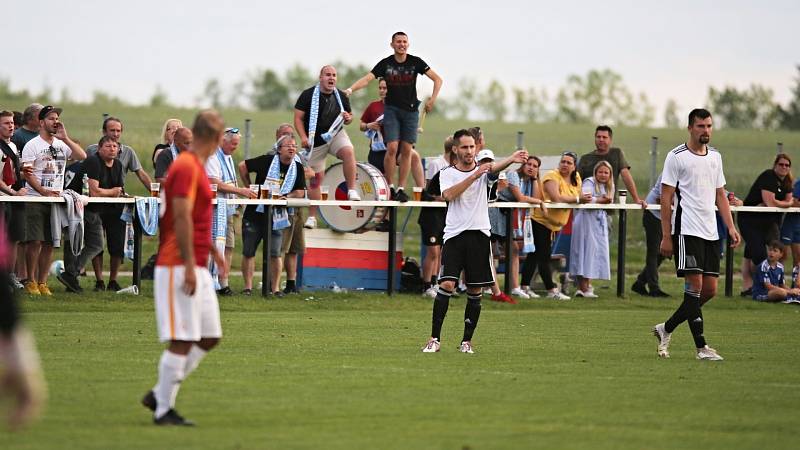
{"x":370,"y":184}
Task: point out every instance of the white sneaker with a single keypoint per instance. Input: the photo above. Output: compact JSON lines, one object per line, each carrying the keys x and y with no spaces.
{"x":531,"y":292}
{"x":557,"y":295}
{"x":663,"y":340}
{"x":432,"y":346}
{"x":708,"y":354}
{"x":352,"y":194}
{"x":517,"y":292}
{"x":585,"y":294}
{"x":466,"y":347}
{"x":15,"y":282}
{"x":430,"y":292}
{"x":311,"y":223}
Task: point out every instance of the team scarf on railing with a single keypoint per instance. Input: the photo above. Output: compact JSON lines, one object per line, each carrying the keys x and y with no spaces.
{"x":147,"y":210}
{"x":219,"y":229}
{"x":280,"y":216}
{"x":376,"y":138}
{"x":336,"y":126}
{"x":228,"y":175}
{"x":130,"y":234}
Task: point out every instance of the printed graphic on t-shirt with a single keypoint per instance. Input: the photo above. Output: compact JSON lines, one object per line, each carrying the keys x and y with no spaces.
{"x":53,"y":172}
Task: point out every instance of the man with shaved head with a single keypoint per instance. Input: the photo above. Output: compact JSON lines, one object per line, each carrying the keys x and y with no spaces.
{"x":320,"y":114}
{"x":183,"y":142}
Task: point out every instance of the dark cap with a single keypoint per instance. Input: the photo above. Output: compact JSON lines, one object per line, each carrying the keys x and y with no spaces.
{"x":47,"y":110}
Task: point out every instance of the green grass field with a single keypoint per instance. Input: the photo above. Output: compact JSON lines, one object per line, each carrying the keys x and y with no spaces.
{"x":345,"y":371}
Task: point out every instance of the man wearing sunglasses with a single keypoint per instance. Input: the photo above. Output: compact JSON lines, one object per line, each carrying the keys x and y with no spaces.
{"x":48,"y":154}
{"x":221,"y":171}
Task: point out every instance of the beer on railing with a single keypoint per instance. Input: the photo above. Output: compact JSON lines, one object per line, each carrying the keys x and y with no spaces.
{"x":214,"y":190}
{"x":155,"y":189}
{"x":324,"y":192}
{"x":417,"y":193}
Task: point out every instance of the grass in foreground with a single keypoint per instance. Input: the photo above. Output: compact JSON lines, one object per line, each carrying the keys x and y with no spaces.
{"x":345,"y":371}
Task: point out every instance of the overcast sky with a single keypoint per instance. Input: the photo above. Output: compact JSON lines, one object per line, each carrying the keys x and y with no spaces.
{"x":670,"y":49}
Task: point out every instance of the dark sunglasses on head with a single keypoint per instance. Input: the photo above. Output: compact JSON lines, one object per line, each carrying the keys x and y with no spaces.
{"x":572,"y":154}
{"x":232,"y":130}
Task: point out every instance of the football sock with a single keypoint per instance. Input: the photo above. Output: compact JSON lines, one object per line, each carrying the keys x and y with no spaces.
{"x":170,"y":374}
{"x":193,"y":358}
{"x":682,"y":313}
{"x":696,"y":327}
{"x":440,"y":304}
{"x":472,"y":313}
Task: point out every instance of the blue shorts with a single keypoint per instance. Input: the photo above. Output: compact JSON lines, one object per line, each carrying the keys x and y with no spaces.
{"x":790,"y":231}
{"x":400,"y":124}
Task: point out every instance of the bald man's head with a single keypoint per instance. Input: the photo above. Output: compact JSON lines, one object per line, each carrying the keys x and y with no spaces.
{"x":183,"y":139}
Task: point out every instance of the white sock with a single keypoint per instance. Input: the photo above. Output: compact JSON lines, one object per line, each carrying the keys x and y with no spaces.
{"x":193,"y":358}
{"x":170,"y":374}
{"x":391,"y":186}
{"x":400,"y":188}
{"x":223,"y":283}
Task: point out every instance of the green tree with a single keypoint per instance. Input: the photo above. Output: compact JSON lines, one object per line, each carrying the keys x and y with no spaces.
{"x":464,"y":101}
{"x":601,"y":97}
{"x":212,"y":94}
{"x":269,"y":92}
{"x":493,"y":101}
{"x":753,"y":108}
{"x":530,"y":105}
{"x":790,"y":116}
{"x":159,"y":98}
{"x":298,"y":79}
{"x":671,"y":116}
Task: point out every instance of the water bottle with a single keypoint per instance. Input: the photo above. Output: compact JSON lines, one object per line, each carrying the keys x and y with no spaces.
{"x":85,"y":188}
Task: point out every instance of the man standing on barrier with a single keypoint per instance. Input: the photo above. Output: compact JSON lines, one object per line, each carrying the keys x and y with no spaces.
{"x":320,"y":114}
{"x":401,"y":114}
{"x":221,"y":171}
{"x":187,"y":310}
{"x":466,"y":236}
{"x":692,"y":184}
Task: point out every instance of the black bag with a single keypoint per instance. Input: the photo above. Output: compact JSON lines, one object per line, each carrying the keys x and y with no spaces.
{"x":410,"y":276}
{"x":149,"y":268}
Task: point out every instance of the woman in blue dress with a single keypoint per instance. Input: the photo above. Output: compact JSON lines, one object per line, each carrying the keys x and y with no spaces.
{"x":589,"y":257}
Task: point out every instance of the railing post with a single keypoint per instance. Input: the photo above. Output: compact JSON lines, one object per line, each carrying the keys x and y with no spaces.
{"x":137,"y":249}
{"x":266,"y":279}
{"x":247,"y":137}
{"x":729,"y":263}
{"x":623,"y":225}
{"x":392,"y":249}
{"x":509,"y":242}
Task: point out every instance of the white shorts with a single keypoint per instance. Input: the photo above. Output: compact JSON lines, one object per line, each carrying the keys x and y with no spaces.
{"x":318,"y":154}
{"x":181,"y":317}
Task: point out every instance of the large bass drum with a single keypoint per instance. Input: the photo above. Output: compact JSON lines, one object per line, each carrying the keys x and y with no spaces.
{"x":370,"y":184}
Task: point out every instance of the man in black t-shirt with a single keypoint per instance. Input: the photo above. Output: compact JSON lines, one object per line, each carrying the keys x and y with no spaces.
{"x":401,"y":113}
{"x":253,"y":220}
{"x":183,"y":141}
{"x":105,"y":179}
{"x":332,"y":113}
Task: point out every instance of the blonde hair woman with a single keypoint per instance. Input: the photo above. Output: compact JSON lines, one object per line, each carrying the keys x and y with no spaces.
{"x":589,"y":257}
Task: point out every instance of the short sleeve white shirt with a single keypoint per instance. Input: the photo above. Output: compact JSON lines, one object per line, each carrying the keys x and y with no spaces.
{"x":470,"y":210}
{"x":696,"y":179}
{"x":49,"y":163}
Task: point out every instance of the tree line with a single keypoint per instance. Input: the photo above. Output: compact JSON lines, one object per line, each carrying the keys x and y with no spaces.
{"x":599,"y":96}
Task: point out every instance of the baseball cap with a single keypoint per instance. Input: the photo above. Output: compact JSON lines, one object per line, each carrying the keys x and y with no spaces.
{"x":485,"y":154}
{"x":47,"y":110}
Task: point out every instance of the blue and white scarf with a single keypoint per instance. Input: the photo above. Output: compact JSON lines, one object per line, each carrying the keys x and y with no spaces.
{"x":127,"y":217}
{"x":336,"y":126}
{"x":219,"y":228}
{"x":228,"y":175}
{"x":280,"y":217}
{"x":147,"y":210}
{"x":375,"y":137}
